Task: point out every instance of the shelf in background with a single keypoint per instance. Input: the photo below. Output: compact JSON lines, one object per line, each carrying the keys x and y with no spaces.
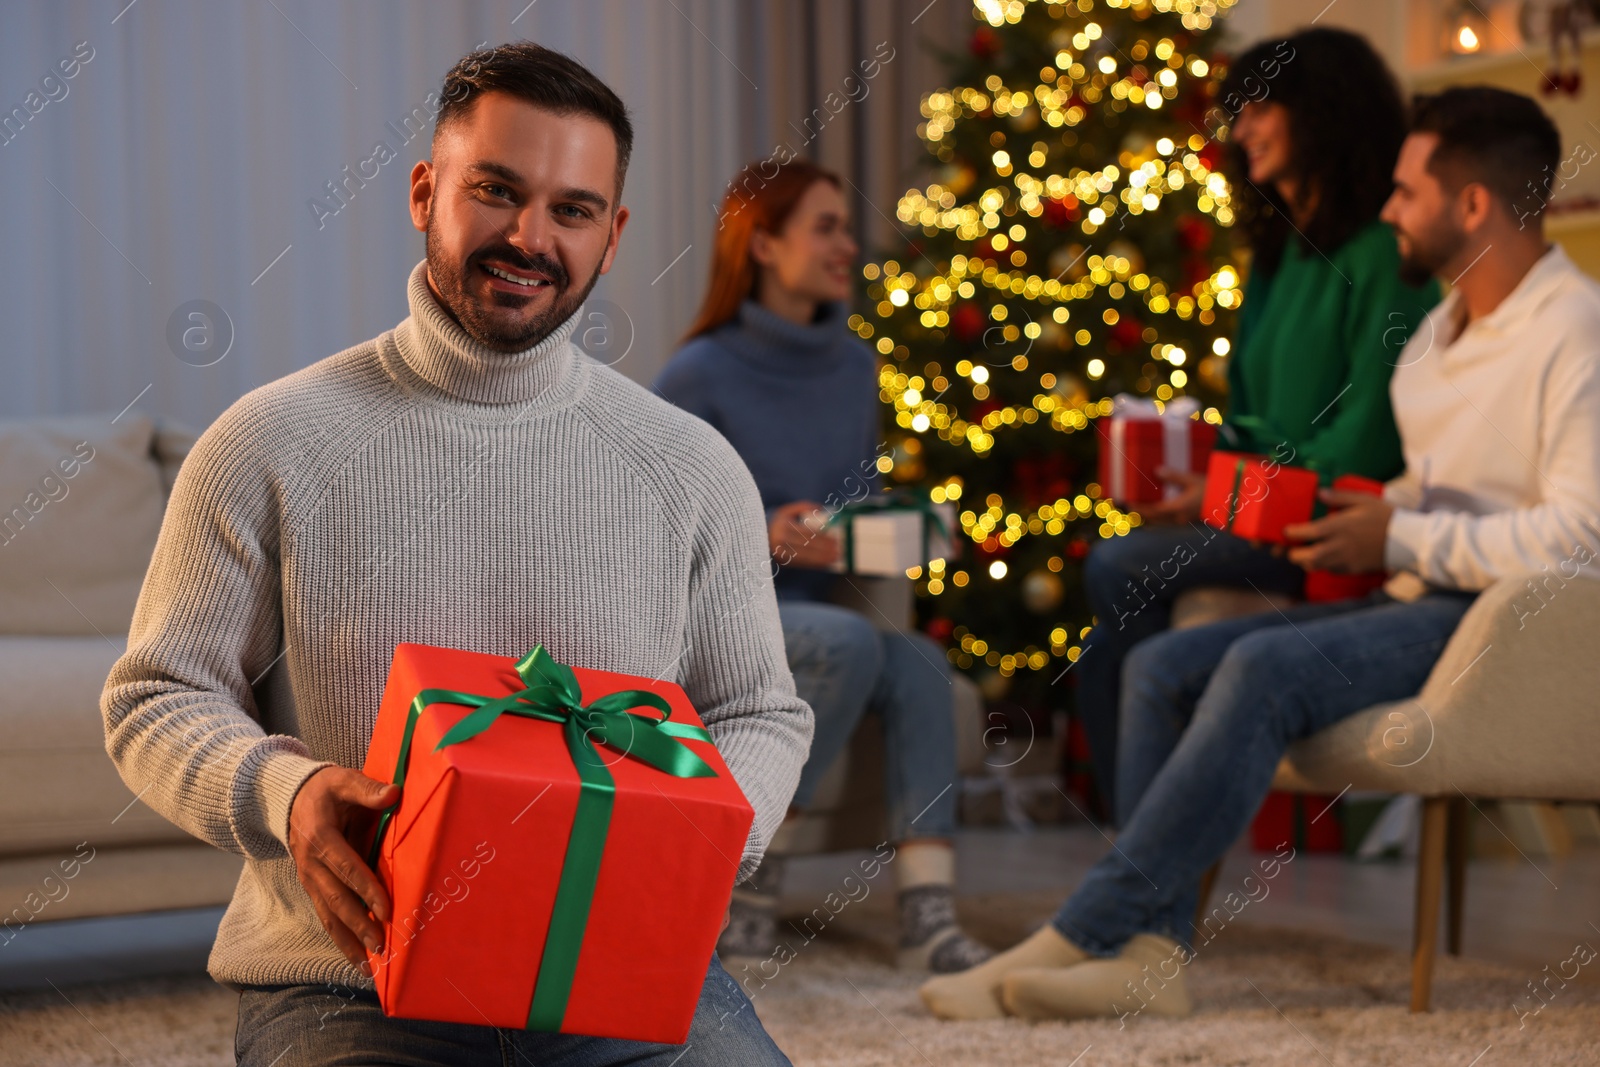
{"x":1534,"y":56}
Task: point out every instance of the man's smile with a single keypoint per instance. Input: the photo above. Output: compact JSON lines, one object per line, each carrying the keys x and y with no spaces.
{"x":518,"y":280}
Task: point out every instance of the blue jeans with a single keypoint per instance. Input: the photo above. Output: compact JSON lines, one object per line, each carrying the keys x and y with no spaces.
{"x":844,"y":666}
{"x":1131,"y":582}
{"x":313,"y":1026}
{"x":1207,"y":713}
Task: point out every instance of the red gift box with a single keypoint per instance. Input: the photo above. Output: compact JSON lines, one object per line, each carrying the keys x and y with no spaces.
{"x":1326,"y":585}
{"x":1138,"y":439}
{"x":519,"y":900}
{"x":1255,"y":497}
{"x":1305,"y":821}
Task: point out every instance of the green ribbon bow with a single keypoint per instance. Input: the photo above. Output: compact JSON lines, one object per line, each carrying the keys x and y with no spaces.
{"x":895,"y":500}
{"x":552,"y":694}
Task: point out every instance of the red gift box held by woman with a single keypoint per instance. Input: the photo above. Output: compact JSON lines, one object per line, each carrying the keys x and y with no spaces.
{"x":1140,"y":438}
{"x":1255,"y":496}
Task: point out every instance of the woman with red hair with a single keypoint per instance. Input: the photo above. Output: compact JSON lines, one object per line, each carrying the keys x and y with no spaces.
{"x":770,"y":364}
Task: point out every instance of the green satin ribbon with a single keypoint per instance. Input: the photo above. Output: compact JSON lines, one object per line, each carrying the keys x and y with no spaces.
{"x":1233,"y":497}
{"x":892,"y":501}
{"x":553,"y":694}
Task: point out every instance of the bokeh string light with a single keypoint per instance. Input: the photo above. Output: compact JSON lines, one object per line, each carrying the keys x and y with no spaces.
{"x":1044,"y":270}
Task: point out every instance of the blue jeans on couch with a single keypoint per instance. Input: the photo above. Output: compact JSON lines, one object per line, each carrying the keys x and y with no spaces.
{"x":319,"y":1026}
{"x":843,"y":667}
{"x":1131,"y":582}
{"x":1206,"y":715}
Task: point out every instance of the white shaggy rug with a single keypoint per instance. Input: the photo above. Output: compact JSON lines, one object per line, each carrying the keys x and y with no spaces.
{"x":1263,"y":996}
{"x":1273,"y":998}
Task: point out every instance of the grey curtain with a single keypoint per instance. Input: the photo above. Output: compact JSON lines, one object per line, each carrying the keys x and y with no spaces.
{"x":178,"y":167}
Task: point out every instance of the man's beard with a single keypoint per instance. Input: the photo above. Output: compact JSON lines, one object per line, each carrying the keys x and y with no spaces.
{"x":451,"y":281}
{"x":1429,"y":252}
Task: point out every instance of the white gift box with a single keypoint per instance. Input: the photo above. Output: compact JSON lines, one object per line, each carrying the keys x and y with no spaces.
{"x":890,"y":541}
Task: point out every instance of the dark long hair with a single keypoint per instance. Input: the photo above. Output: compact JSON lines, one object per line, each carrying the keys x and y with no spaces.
{"x":1346,"y":121}
{"x":762,"y":196}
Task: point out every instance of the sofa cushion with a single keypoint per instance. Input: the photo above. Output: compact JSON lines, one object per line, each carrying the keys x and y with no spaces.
{"x":76,"y":883}
{"x":81,"y":502}
{"x":57,"y":785}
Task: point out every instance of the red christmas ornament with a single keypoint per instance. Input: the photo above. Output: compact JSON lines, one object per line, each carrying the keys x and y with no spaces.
{"x":985,"y":43}
{"x":1025,"y":477}
{"x":992,"y":548}
{"x":1127,"y":332}
{"x":1061,"y":212}
{"x":966,"y":322}
{"x":1194,"y":233}
{"x":940,"y":628}
{"x":1077,"y":548}
{"x":1053,"y":478}
{"x":1038,"y":480}
{"x":1195,"y":271}
{"x":1191,"y":109}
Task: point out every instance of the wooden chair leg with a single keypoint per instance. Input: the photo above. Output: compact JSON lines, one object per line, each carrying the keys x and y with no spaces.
{"x":1456,"y":873}
{"x":1208,"y":882}
{"x":1430,"y":875}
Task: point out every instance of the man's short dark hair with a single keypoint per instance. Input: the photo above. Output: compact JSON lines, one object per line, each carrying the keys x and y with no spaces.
{"x":544,"y":78}
{"x":1502,"y":139}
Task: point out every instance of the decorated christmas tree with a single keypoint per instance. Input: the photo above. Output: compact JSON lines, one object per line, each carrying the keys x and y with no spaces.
{"x":1067,"y":250}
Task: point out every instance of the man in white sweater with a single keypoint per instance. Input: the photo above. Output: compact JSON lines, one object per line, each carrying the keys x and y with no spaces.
{"x":467,"y":479}
{"x":1497,"y":398}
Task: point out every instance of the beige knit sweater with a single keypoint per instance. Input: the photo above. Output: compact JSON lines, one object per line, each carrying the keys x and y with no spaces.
{"x":420,"y":487}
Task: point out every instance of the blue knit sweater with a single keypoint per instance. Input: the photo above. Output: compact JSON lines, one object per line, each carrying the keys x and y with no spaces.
{"x":799,"y":403}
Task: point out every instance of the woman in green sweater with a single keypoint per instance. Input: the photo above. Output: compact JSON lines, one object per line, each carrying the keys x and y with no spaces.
{"x":1316,"y":124}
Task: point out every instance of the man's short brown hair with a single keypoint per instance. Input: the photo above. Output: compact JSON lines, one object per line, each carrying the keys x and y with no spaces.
{"x":544,"y":78}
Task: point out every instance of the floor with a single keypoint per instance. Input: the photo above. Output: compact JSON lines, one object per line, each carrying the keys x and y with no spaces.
{"x":1519,"y":912}
{"x":1316,"y":974}
{"x":1263,"y":996}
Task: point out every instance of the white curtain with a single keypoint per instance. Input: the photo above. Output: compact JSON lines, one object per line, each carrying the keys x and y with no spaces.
{"x":179,"y":161}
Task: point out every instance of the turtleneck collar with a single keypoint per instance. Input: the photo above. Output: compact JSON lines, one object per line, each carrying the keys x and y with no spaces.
{"x":435,"y":349}
{"x":774,"y":329}
{"x":766,"y":339}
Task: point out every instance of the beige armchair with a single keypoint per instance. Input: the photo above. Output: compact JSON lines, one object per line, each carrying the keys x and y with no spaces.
{"x":1508,"y":712}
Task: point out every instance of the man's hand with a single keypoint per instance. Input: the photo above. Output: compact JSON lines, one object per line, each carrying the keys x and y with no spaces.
{"x":795,"y":541}
{"x":332,"y":811}
{"x":1347,"y":541}
{"x":1185,"y":506}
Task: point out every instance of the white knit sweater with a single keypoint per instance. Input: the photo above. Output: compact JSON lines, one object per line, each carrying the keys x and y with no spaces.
{"x":1501,"y":427}
{"x":421,"y":487}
